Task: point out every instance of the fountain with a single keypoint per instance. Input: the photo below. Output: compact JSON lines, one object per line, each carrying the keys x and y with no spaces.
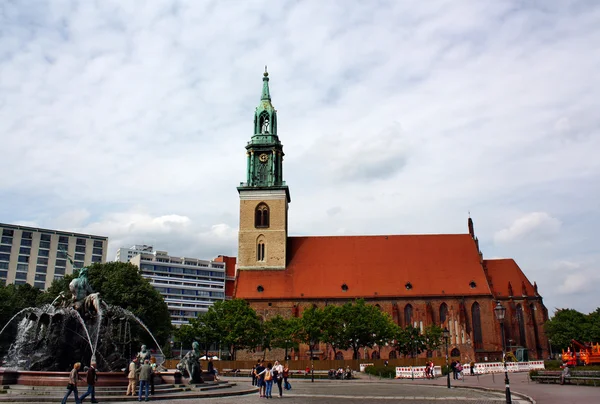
{"x":83,"y":329}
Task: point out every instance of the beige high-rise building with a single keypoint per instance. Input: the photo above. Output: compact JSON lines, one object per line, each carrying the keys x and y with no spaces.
{"x":34,"y":256}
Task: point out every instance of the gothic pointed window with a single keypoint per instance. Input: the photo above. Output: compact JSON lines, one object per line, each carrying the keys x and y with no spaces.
{"x":260,"y":251}
{"x":477,"y":335}
{"x":261,"y":215}
{"x":408,"y":313}
{"x":265,"y":125}
{"x":521,"y":323}
{"x":443,"y":313}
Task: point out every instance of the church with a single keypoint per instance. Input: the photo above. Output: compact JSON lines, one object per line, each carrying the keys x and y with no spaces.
{"x":420,"y":280}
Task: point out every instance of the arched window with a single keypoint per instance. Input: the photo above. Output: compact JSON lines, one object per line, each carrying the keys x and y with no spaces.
{"x":261,"y":215}
{"x":260,"y":248}
{"x":408,"y":314}
{"x":393,"y":355}
{"x":374,"y":355}
{"x":521,"y":322}
{"x":378,"y":307}
{"x":455,"y":352}
{"x":339,"y":356}
{"x":443,"y":313}
{"x":265,"y":125}
{"x":477,"y":335}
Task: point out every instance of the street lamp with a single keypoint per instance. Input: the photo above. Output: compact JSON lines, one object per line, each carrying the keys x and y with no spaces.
{"x":500,"y":312}
{"x":446,"y":335}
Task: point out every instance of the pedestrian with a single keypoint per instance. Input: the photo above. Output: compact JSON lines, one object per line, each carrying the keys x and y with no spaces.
{"x":72,"y":386}
{"x":453,"y":370}
{"x":153,"y":366}
{"x":260,"y":378}
{"x":268,"y":380}
{"x":286,"y":374}
{"x":131,"y":377}
{"x":278,"y":377}
{"x":253,"y":375}
{"x":472,"y":368}
{"x":145,"y":372}
{"x":91,"y":378}
{"x":458,"y":368}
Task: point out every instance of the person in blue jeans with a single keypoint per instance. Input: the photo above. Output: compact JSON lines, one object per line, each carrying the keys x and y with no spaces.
{"x":145,"y":372}
{"x":269,"y":380}
{"x":72,"y":386}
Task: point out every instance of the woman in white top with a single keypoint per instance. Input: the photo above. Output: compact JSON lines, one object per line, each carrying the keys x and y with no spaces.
{"x":278,"y":376}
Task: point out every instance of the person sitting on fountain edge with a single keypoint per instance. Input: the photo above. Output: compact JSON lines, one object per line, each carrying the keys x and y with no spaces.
{"x":91,"y":378}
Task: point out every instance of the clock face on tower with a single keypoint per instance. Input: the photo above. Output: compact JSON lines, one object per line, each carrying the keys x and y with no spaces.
{"x":263,"y":158}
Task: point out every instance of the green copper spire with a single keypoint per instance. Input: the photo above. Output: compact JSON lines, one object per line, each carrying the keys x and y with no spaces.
{"x":264,"y":150}
{"x":266,"y":95}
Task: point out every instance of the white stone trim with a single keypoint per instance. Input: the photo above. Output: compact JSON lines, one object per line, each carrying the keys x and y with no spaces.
{"x":262,"y":194}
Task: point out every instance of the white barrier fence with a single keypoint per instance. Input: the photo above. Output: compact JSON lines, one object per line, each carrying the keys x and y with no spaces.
{"x":480,"y":369}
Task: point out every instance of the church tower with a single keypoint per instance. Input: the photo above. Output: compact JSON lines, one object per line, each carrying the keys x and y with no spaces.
{"x":264,"y":197}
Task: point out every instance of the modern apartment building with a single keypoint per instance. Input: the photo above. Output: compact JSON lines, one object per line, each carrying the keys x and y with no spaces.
{"x":189,"y":285}
{"x":125,"y":254}
{"x":35,"y":256}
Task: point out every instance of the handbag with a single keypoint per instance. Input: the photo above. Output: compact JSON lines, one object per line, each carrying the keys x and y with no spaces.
{"x":70,"y":386}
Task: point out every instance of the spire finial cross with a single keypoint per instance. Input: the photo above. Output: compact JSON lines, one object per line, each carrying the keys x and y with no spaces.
{"x":266,"y":73}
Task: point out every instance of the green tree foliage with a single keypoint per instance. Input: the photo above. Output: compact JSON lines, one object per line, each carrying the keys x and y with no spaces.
{"x":233,"y":323}
{"x":434,"y":337}
{"x":311,"y":327}
{"x":410,"y":341}
{"x":281,"y":332}
{"x":335,"y":333}
{"x":569,"y":324}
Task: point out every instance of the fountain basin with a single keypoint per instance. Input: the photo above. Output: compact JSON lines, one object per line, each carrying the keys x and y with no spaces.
{"x":34,"y":378}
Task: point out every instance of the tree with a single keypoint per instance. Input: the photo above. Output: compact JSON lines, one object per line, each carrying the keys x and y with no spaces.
{"x":311,"y":327}
{"x":365,"y":325}
{"x":434,"y":337}
{"x":410,"y":341}
{"x":566,"y":325}
{"x":279,"y":332}
{"x":335,"y":333}
{"x":235,"y":324}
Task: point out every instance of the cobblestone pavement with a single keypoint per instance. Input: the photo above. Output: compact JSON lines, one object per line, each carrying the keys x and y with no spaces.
{"x":338,"y":392}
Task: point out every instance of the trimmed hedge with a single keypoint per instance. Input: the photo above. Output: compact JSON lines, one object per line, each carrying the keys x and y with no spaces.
{"x":387,"y":372}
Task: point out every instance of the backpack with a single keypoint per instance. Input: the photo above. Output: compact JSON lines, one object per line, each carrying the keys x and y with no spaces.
{"x":268,"y":375}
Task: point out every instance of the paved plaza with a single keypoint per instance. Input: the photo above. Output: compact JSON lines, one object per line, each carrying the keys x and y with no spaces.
{"x":483,"y":389}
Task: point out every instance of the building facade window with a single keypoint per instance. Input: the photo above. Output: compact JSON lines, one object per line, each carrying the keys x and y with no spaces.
{"x":59,"y":271}
{"x":25,"y":250}
{"x":23,"y":258}
{"x":80,"y":241}
{"x":521,"y":323}
{"x":42,"y":261}
{"x":261,"y":215}
{"x":477,"y":334}
{"x":21,"y":275}
{"x":408,"y":315}
{"x":27,"y":235}
{"x":45,"y":237}
{"x":6,"y":240}
{"x":260,"y":251}
{"x":63,"y":239}
{"x":97,"y":251}
{"x":43,"y":253}
{"x":443,"y":313}
{"x":8,"y":232}
{"x":23,"y":267}
{"x":98,"y":243}
{"x":5,"y":248}
{"x":80,"y":249}
{"x":45,"y":244}
{"x":4,"y":257}
{"x":26,"y":242}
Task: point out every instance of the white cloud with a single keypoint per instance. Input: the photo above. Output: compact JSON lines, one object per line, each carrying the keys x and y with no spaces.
{"x":130,"y":120}
{"x":531,"y":225}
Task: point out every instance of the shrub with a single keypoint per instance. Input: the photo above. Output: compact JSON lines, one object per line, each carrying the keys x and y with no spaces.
{"x":388,"y":372}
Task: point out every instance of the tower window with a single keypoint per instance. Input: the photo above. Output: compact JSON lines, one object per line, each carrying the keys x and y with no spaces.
{"x":260,"y":251}
{"x":261,"y":217}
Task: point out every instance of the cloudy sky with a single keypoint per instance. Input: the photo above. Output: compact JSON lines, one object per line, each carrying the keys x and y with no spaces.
{"x":129,"y":119}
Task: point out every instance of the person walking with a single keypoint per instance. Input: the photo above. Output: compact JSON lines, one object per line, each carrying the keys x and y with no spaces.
{"x":472,"y":368}
{"x":253,"y":374}
{"x":278,"y":376}
{"x":453,"y":370}
{"x":145,"y":372}
{"x":72,"y":386}
{"x":131,"y":377}
{"x":286,"y":374}
{"x":91,"y":378}
{"x":153,"y":366}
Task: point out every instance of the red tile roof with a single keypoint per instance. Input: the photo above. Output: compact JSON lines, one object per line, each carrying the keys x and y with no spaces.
{"x":371,"y":266}
{"x":503,"y":271}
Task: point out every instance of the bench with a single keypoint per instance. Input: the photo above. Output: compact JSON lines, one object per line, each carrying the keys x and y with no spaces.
{"x":577,"y":377}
